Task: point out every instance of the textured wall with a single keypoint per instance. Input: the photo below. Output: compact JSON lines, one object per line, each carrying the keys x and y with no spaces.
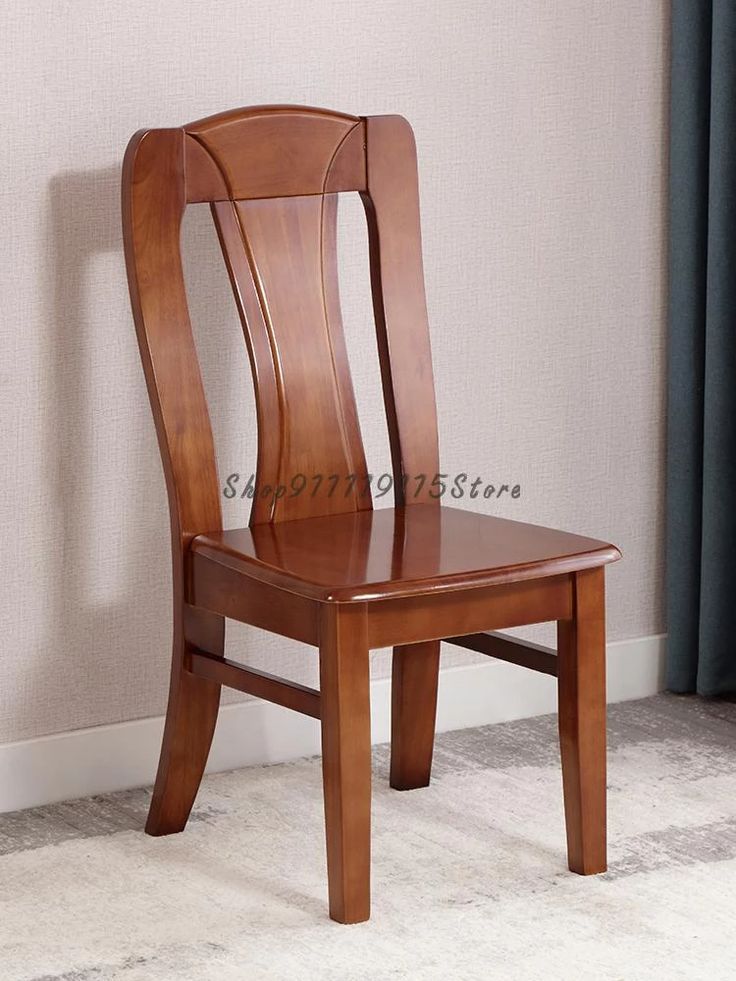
{"x":540,"y":129}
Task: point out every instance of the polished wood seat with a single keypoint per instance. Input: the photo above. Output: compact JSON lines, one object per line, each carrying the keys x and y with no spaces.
{"x":321,"y":567}
{"x":410,"y":551}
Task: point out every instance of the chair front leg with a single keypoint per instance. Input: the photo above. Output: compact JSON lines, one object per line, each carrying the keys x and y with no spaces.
{"x":582,"y":722}
{"x":414,"y":677}
{"x":346,"y":758}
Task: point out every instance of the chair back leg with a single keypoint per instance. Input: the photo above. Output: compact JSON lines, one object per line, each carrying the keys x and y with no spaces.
{"x":190,"y":722}
{"x":414,"y":677}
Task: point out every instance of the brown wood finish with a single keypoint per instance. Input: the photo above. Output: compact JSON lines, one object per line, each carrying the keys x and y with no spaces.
{"x":152,"y":206}
{"x":283,"y":151}
{"x":536,"y":657}
{"x":400,"y":308}
{"x":213,"y":584}
{"x":297,"y":349}
{"x":581,"y":644}
{"x":367,"y":556}
{"x":409,"y":620}
{"x":253,"y":682}
{"x":414,"y":677}
{"x":325,"y":568}
{"x":344,"y":675}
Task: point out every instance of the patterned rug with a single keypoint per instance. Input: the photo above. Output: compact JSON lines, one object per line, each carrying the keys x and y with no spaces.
{"x":469,"y":875}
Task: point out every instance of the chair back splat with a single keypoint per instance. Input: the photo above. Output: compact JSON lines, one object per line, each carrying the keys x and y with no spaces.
{"x":272,"y":175}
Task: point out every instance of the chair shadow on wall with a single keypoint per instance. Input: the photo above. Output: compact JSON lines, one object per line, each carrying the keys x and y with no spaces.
{"x":107,"y":548}
{"x":95,"y":592}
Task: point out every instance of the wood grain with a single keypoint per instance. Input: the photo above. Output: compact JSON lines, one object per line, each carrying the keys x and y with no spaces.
{"x":283,"y":151}
{"x":325,"y":568}
{"x":526,"y":654}
{"x":152,"y":208}
{"x":346,"y":759}
{"x":582,"y":720}
{"x":400,"y":307}
{"x":260,"y":684}
{"x":368,"y":556}
{"x":281,"y":256}
{"x":414,"y":677}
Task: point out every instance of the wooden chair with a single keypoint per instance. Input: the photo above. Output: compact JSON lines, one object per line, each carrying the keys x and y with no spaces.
{"x":323,"y":567}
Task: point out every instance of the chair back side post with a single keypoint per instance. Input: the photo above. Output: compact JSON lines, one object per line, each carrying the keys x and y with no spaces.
{"x":153,"y":202}
{"x":391,"y":203}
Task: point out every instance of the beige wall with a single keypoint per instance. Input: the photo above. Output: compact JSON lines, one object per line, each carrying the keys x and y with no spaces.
{"x":540,"y":129}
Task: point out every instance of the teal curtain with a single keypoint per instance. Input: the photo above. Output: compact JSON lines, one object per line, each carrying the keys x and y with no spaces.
{"x":701,"y":441}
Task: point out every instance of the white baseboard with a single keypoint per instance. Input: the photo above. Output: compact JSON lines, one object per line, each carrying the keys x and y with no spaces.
{"x":75,"y":764}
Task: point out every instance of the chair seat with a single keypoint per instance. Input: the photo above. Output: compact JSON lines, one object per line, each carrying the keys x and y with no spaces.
{"x":369,"y":555}
{"x":345,"y":583}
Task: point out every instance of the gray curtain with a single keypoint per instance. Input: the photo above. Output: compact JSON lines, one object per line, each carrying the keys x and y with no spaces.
{"x":701,"y":468}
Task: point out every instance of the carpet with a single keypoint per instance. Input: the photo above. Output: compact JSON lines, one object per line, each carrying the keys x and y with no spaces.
{"x":469,"y":875}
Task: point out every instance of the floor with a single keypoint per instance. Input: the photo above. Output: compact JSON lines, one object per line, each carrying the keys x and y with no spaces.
{"x":470,"y":880}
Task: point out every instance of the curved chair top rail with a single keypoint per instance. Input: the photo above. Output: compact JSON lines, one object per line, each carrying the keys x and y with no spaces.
{"x":273,"y":151}
{"x":270,"y":174}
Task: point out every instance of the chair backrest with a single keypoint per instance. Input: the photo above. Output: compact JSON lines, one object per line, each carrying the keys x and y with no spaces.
{"x":271,"y":175}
